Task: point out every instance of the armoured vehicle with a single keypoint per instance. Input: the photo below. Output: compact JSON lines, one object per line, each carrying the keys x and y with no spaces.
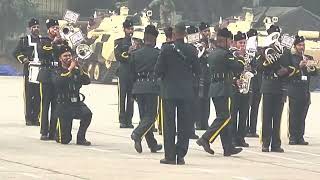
{"x":102,"y":65}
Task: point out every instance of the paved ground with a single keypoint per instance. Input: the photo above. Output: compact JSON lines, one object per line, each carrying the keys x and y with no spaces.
{"x":112,"y":156}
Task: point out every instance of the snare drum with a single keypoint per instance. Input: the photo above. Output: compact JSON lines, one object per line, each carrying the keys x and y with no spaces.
{"x":34,"y":69}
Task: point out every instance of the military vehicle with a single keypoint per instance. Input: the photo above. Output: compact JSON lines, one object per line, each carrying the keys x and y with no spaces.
{"x":102,"y":65}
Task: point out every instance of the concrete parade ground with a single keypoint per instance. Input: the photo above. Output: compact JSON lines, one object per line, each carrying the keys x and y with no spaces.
{"x":112,"y":156}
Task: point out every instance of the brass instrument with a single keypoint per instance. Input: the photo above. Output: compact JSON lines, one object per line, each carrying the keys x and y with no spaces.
{"x":312,"y":65}
{"x":83,"y":51}
{"x":246,"y":75}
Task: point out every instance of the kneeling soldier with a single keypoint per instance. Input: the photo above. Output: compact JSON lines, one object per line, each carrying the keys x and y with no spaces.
{"x":68,"y":78}
{"x":145,"y":89}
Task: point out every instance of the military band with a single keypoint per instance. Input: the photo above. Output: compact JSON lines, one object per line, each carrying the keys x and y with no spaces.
{"x":174,"y":85}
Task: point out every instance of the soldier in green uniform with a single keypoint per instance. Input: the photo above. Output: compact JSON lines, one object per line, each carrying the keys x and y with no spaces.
{"x":255,"y":94}
{"x":176,"y":66}
{"x":145,"y":89}
{"x":222,"y":66}
{"x":299,"y":93}
{"x":203,"y":103}
{"x":273,"y":89}
{"x":48,"y":46}
{"x":123,"y":48}
{"x":24,"y":53}
{"x":240,"y":101}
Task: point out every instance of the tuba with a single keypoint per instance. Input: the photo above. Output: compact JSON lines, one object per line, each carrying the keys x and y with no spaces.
{"x":83,"y":51}
{"x":246,"y":75}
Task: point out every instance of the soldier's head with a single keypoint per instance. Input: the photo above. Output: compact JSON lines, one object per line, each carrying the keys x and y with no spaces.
{"x":34,"y":27}
{"x":240,"y":41}
{"x":53,"y":27}
{"x":128,"y":28}
{"x":150,"y":35}
{"x":224,"y":38}
{"x":169,"y":34}
{"x":299,"y":44}
{"x":204,"y":30}
{"x":179,"y":31}
{"x":64,"y":53}
{"x":273,"y":29}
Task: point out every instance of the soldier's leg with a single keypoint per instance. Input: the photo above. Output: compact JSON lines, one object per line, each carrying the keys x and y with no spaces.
{"x":294,"y":116}
{"x":121,"y":100}
{"x":85,"y":120}
{"x":53,"y":118}
{"x":169,"y":129}
{"x":243,"y":116}
{"x":305,"y":106}
{"x":64,"y":126}
{"x":184,"y":126}
{"x":222,"y":106}
{"x":151,"y":111}
{"x":44,"y":108}
{"x":27,"y":100}
{"x":278,"y":102}
{"x":160,"y":115}
{"x":235,"y":106}
{"x":204,"y":113}
{"x":255,"y":102}
{"x":267,"y":114}
{"x":35,"y":103}
{"x":130,"y":104}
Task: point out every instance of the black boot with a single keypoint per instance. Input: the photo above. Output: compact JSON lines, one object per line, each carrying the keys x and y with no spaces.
{"x":166,"y":161}
{"x":180,"y":161}
{"x":302,"y":142}
{"x":83,"y":142}
{"x":232,"y":151}
{"x":44,"y":137}
{"x":205,"y":144}
{"x":137,"y":142}
{"x":277,"y":149}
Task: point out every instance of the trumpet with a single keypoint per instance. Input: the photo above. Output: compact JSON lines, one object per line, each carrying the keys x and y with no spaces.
{"x":201,"y":48}
{"x":246,"y":75}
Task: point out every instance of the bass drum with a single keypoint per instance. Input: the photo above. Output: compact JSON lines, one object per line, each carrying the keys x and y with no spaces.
{"x":34,"y":69}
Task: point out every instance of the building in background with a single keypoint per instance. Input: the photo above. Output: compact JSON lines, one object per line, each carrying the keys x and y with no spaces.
{"x":51,"y":8}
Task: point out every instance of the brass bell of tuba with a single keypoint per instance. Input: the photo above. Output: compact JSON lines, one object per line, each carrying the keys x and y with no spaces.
{"x":83,"y":51}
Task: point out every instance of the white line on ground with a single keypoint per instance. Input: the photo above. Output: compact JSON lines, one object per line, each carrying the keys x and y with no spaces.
{"x":280,"y":157}
{"x":31,"y":175}
{"x":306,"y":153}
{"x":201,"y":170}
{"x":241,"y":178}
{"x":132,"y":156}
{"x":98,"y":149}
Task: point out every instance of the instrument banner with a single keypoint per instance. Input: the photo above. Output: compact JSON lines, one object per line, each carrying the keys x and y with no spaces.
{"x":71,"y":17}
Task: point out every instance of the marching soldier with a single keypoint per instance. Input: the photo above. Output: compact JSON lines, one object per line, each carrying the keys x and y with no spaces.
{"x":240,"y":101}
{"x":203,"y":103}
{"x":299,"y":93}
{"x":275,"y":76}
{"x":222,"y":66}
{"x":167,"y":11}
{"x":48,"y":60}
{"x":24,"y":54}
{"x":145,"y":89}
{"x":176,"y":66}
{"x":255,"y":94}
{"x":67,"y":80}
{"x":123,"y":48}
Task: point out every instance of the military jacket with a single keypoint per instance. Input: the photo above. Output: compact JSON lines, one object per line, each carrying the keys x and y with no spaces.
{"x":223,"y":68}
{"x":299,"y":83}
{"x":121,"y":48}
{"x":142,"y":63}
{"x":176,"y":66}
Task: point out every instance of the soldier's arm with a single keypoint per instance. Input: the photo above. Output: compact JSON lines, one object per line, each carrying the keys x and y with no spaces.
{"x":60,"y":79}
{"x":161,"y":65}
{"x":235,"y":64}
{"x":120,"y":54}
{"x":19,"y":52}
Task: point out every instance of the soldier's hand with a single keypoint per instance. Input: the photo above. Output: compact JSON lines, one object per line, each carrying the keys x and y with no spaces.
{"x":26,"y":60}
{"x":73,"y":64}
{"x":303,"y":63}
